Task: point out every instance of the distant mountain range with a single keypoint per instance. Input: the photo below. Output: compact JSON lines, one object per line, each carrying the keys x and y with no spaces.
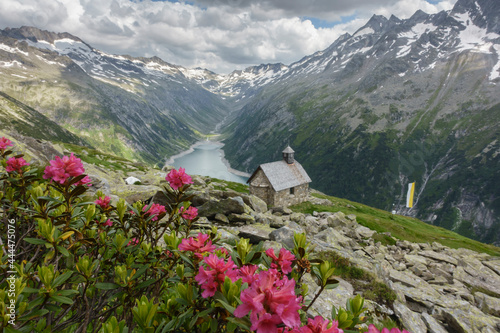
{"x":396,"y":102}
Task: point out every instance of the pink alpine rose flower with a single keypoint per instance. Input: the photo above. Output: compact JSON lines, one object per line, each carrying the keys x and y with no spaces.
{"x":247,"y":273}
{"x":134,"y":241}
{"x":197,"y":245}
{"x":266,"y":323}
{"x":283,"y":261}
{"x":85,"y":181}
{"x":215,"y":274}
{"x":4,"y":143}
{"x":320,"y":325}
{"x":103,"y":202}
{"x":373,"y":329}
{"x":267,"y":298}
{"x":189,"y":214}
{"x":155,"y":210}
{"x":177,"y":179}
{"x":108,"y":223}
{"x":60,"y":169}
{"x":15,"y":164}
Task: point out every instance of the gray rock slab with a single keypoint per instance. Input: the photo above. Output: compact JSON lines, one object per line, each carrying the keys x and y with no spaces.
{"x":255,"y":232}
{"x":494,"y":265}
{"x":433,"y":325}
{"x":406,"y":278}
{"x":464,"y":318}
{"x":334,"y":238}
{"x":484,"y":278}
{"x":257,"y":204}
{"x":439,"y":256}
{"x":283,"y":235}
{"x":335,"y":297}
{"x":411,"y":320}
{"x":488,"y":304}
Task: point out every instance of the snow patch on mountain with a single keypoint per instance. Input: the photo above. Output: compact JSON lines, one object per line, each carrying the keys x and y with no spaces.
{"x":473,"y":37}
{"x":495,"y":72}
{"x":13,"y":63}
{"x":9,"y":49}
{"x":364,"y":31}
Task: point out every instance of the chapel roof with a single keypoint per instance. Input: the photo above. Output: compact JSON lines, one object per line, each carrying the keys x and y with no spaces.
{"x":282,"y":175}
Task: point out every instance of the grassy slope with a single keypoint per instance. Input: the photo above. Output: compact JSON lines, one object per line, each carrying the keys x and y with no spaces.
{"x":401,"y":227}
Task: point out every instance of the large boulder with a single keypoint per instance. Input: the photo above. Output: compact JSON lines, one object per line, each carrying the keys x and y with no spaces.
{"x":335,"y":297}
{"x":255,"y":232}
{"x":335,"y":238}
{"x":410,"y":320}
{"x":159,"y":198}
{"x":433,"y":325}
{"x":338,"y":220}
{"x":461,"y":317}
{"x":284,"y":235}
{"x":133,"y":193}
{"x":226,"y":206}
{"x":241,"y":218}
{"x":257,"y":204}
{"x":200,"y":197}
{"x":488,"y":304}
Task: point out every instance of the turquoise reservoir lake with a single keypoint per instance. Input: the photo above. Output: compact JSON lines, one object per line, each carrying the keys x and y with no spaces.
{"x":207,"y":159}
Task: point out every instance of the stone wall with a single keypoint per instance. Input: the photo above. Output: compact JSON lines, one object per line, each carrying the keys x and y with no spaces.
{"x":261,"y":187}
{"x":284,"y":198}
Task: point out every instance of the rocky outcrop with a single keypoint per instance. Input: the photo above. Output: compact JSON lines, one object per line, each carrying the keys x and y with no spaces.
{"x":438,"y":289}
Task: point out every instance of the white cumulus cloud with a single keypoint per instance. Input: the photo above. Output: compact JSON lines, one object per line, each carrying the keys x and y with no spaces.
{"x":221,"y":35}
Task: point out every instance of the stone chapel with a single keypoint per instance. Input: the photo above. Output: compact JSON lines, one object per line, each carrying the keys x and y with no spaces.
{"x":282,"y":183}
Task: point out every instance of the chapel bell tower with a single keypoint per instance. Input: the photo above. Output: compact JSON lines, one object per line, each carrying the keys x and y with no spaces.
{"x":288,"y":155}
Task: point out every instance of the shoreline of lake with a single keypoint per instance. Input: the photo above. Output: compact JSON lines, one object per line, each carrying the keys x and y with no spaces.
{"x":171,"y":159}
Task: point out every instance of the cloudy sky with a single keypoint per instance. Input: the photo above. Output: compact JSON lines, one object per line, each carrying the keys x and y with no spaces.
{"x":221,"y":35}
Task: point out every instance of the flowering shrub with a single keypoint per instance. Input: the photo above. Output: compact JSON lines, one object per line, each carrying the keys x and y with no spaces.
{"x":60,"y":169}
{"x":178,"y":179}
{"x":15,"y":164}
{"x":80,"y":266}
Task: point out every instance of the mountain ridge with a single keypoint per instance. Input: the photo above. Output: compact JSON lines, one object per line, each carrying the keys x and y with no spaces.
{"x":372,"y":105}
{"x":398,"y":100}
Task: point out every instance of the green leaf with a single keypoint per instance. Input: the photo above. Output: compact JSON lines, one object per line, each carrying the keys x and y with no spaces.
{"x":61,"y":278}
{"x":67,"y":292}
{"x":35,"y":241}
{"x":76,"y":179}
{"x":226,"y":306}
{"x":145,"y":283}
{"x":140,"y":272}
{"x":10,"y":330}
{"x":36,"y":302}
{"x":37,"y":313}
{"x":49,"y":199}
{"x":63,"y":250}
{"x":79,"y":190}
{"x":106,"y":285}
{"x":29,"y":290}
{"x":186,"y":259}
{"x":53,"y":307}
{"x":241,"y":322}
{"x":193,"y":321}
{"x":331,"y":286}
{"x":62,"y":299}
